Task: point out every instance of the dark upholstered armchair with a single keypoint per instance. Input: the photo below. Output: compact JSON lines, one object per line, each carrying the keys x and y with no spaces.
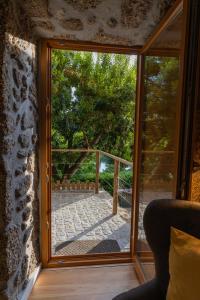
{"x":159,"y":216}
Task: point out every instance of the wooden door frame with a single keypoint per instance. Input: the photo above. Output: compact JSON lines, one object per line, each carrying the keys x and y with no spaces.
{"x":143,"y":255}
{"x":45,"y":114}
{"x":171,"y":14}
{"x":147,"y":50}
{"x":44,"y":144}
{"x":46,"y":46}
{"x":189,"y":95}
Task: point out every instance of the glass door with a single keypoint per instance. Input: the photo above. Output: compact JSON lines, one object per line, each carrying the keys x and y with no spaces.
{"x":158,"y":135}
{"x":92,"y":121}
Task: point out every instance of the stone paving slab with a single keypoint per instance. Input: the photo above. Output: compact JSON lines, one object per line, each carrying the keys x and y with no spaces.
{"x":88,"y":216}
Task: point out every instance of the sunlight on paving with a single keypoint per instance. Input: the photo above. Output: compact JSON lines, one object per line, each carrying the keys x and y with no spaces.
{"x":88,"y":217}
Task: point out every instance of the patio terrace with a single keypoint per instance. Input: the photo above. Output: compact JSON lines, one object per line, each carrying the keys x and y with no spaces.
{"x":83,"y":222}
{"x":87,"y":219}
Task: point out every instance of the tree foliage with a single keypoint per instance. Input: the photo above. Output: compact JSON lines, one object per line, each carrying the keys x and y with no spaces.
{"x":93,"y":103}
{"x":159,"y":116}
{"x":160,"y":98}
{"x":93,"y":99}
{"x":93,"y":106}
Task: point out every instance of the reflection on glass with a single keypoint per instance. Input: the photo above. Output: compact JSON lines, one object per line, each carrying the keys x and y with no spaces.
{"x":158,"y":133}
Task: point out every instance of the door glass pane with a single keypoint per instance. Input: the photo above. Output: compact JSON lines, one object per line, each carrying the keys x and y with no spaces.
{"x":92,"y":121}
{"x":161,"y":76}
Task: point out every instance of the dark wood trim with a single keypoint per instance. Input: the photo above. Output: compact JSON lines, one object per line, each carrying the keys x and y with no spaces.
{"x":88,"y":259}
{"x":91,"y":46}
{"x":188,"y":84}
{"x":84,"y":261}
{"x":44,"y":168}
{"x":195,"y":136}
{"x":171,"y":14}
{"x":178,"y":186}
{"x":48,"y":140}
{"x":163,"y":52}
{"x":137,"y":151}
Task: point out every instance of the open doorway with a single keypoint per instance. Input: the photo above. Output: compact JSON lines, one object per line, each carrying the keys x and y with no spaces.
{"x":92,"y":141}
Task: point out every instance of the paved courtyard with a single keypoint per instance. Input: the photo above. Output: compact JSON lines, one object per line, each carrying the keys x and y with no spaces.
{"x":85,"y":216}
{"x":86,"y":219}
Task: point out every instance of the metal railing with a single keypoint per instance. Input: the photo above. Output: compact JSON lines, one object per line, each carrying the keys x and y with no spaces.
{"x":120,"y":187}
{"x":117,"y":161}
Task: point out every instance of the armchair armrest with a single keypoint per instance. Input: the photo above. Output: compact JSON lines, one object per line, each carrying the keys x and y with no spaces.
{"x":159,"y":216}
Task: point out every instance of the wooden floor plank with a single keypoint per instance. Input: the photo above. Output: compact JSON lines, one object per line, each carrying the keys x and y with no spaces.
{"x":149,"y":270}
{"x":88,"y":283}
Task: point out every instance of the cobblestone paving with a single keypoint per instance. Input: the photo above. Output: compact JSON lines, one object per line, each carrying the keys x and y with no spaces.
{"x":88,"y":216}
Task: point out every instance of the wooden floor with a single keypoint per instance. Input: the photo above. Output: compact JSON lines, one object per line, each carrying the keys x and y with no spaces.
{"x":84,"y":283}
{"x":149,"y":270}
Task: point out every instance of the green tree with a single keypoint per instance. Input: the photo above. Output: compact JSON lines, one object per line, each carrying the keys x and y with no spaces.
{"x":93,"y":104}
{"x":159,"y":116}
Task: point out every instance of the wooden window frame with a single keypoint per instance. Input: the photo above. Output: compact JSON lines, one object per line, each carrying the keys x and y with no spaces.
{"x":46,"y":46}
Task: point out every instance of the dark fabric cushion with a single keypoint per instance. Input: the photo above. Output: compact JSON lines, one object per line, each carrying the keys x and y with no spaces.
{"x":147,"y":291}
{"x":159,"y":216}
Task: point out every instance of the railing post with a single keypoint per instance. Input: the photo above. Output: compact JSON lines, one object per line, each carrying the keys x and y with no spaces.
{"x":115,"y":186}
{"x":97,"y":172}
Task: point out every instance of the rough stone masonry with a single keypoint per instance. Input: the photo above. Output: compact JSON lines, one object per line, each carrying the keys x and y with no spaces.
{"x":19,"y":204}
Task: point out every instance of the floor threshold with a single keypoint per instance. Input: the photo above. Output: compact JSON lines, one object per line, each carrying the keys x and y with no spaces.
{"x":85,"y":282}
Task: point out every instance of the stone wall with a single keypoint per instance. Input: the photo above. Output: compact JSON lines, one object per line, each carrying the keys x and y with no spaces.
{"x":120,"y":22}
{"x":19,"y":204}
{"x":3,"y":238}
